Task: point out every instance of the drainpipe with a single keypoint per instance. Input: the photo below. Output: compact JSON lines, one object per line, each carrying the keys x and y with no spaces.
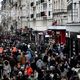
{"x":72,"y":12}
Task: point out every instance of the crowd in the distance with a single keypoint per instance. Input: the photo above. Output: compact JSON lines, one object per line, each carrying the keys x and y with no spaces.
{"x":21,"y":61}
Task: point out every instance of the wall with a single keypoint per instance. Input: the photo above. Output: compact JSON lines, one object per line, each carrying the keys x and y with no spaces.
{"x":75,"y":13}
{"x":60,"y":11}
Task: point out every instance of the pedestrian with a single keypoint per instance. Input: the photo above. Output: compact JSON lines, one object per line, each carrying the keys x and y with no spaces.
{"x":6,"y":68}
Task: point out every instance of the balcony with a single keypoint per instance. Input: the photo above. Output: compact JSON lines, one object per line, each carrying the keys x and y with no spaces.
{"x":45,"y":5}
{"x":69,"y":2}
{"x":44,"y":17}
{"x":33,"y":5}
{"x":59,"y":11}
{"x":43,"y":14}
{"x":14,"y":2}
{"x":34,"y":19}
{"x":38,"y":2}
{"x":44,"y":1}
{"x":34,"y":8}
{"x":69,"y":7}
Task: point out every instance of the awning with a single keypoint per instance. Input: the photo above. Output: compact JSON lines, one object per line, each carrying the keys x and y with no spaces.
{"x":57,"y":27}
{"x":40,"y":28}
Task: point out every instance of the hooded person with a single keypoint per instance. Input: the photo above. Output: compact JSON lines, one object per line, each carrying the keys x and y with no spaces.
{"x":39,"y":63}
{"x":6,"y":68}
{"x":29,"y":55}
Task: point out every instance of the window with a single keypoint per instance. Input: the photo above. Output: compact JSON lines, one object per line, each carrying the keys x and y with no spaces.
{"x":16,"y":4}
{"x":32,"y":3}
{"x":42,"y":1}
{"x":49,"y":13}
{"x":74,"y":5}
{"x":49,"y":5}
{"x":32,"y":15}
{"x":38,"y":15}
{"x":36,"y":2}
{"x":42,"y":13}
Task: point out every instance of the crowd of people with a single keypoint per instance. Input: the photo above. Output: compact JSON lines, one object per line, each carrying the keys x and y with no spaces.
{"x":22,"y":61}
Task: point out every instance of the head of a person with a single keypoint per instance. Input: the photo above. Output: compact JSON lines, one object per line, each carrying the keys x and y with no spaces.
{"x":6,"y":62}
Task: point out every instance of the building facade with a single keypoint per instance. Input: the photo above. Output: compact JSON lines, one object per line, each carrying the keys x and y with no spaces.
{"x":36,"y":14}
{"x":41,"y":14}
{"x":5,"y":15}
{"x":15,"y":14}
{"x":73,"y":7}
{"x":60,"y":11}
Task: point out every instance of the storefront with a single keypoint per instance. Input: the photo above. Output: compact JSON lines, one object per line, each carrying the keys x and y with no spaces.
{"x":75,"y":43}
{"x":73,"y":38}
{"x":58,"y":33}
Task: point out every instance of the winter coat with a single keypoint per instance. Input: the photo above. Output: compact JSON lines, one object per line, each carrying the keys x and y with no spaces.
{"x":6,"y":68}
{"x":39,"y":63}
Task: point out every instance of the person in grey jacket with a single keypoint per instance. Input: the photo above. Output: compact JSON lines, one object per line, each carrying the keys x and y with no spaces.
{"x":6,"y":68}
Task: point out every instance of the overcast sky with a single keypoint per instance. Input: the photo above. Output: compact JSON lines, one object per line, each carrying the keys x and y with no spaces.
{"x":1,"y":0}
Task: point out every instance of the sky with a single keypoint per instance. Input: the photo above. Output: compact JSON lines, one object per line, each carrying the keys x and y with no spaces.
{"x":1,"y":0}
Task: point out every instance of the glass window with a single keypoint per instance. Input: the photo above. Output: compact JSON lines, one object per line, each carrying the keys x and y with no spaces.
{"x":49,"y":13}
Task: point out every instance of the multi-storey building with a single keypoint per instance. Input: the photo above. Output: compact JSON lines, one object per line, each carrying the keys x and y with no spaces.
{"x":73,"y":7}
{"x":40,"y":14}
{"x":9,"y":16}
{"x":24,"y":13}
{"x":15,"y":14}
{"x":36,"y":14}
{"x":60,"y":11}
{"x":5,"y":15}
{"x":73,"y":11}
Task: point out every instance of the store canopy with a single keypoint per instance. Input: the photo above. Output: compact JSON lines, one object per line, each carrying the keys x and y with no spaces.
{"x":40,"y":28}
{"x":57,"y":27}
